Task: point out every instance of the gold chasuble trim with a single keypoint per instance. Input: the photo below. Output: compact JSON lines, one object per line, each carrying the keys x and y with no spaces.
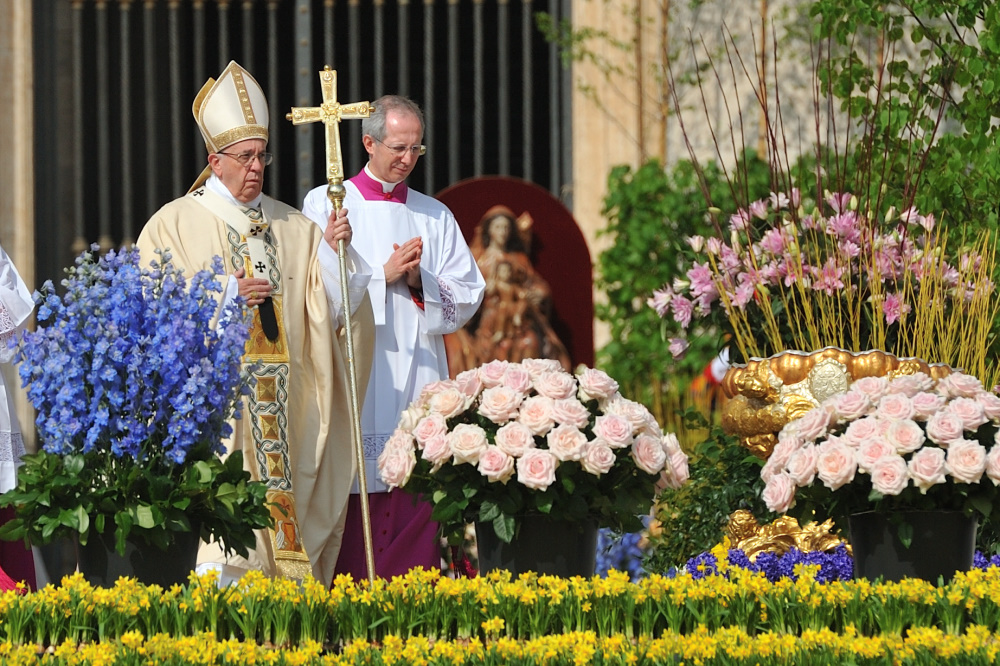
{"x":268,"y":405}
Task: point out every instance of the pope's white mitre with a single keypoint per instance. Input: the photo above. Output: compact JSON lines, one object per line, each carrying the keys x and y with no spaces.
{"x":231,"y":109}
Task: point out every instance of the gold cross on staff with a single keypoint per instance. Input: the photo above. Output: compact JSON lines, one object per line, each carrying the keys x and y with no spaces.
{"x":330,"y":113}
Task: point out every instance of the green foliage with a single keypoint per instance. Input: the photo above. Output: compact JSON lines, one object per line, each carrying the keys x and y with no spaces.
{"x":725,"y":477}
{"x":76,"y":495}
{"x":929,"y":119}
{"x":650,"y":211}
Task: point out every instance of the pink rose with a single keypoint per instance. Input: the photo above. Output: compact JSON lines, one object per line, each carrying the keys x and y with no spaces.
{"x":469,"y":382}
{"x":536,"y":413}
{"x":500,"y":404}
{"x":927,"y":468}
{"x":943,"y":428}
{"x":959,"y":384}
{"x":515,"y":438}
{"x":671,"y":444}
{"x":861,"y":430}
{"x":969,"y":410}
{"x":813,"y":424}
{"x":467,"y":442}
{"x":783,"y":451}
{"x":910,"y":385}
{"x":871,"y":451}
{"x":570,"y":411}
{"x":566,"y":442}
{"x":410,"y":417}
{"x":496,"y":465}
{"x":679,"y":467}
{"x":429,"y":389}
{"x":873,"y":387}
{"x":779,"y":493}
{"x":556,"y":385}
{"x":850,"y":406}
{"x":516,"y":377}
{"x":993,"y":465}
{"x":966,"y":461}
{"x":536,"y":367}
{"x":895,"y":406}
{"x":449,"y":402}
{"x":436,"y":451}
{"x":648,"y":454}
{"x":537,"y":469}
{"x":990,"y":403}
{"x":801,"y":465}
{"x":598,"y":458}
{"x":614,"y":429}
{"x":635,"y":412}
{"x":491,"y":374}
{"x":430,"y":426}
{"x":906,"y":436}
{"x":927,"y":404}
{"x":397,"y":460}
{"x":889,"y":475}
{"x":835,"y":465}
{"x":596,"y":385}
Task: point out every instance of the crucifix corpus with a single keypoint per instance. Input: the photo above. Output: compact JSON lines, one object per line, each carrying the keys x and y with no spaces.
{"x":330,"y":113}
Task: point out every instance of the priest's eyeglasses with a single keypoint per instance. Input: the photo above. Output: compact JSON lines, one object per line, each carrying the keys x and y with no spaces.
{"x":246,"y":159}
{"x":399,"y":151}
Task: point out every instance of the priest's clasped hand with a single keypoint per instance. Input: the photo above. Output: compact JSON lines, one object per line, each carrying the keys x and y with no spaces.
{"x":254,"y":290}
{"x":338,"y":227}
{"x":405,"y":261}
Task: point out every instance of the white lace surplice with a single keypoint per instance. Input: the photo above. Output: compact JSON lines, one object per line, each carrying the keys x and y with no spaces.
{"x":15,"y":306}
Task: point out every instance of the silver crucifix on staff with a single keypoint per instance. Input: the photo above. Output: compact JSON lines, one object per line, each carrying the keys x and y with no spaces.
{"x":330,"y":113}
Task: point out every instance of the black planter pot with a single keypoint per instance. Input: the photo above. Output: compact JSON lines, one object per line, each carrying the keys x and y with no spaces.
{"x":101,"y":565}
{"x":542,"y":545}
{"x":944,"y":542}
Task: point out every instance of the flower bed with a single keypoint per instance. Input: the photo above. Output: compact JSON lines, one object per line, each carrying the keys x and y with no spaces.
{"x":498,"y":610}
{"x":732,"y":647}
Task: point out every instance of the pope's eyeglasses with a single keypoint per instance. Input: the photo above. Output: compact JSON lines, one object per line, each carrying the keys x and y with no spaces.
{"x":246,"y":159}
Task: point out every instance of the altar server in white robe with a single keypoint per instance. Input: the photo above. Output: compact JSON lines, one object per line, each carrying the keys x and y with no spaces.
{"x":425,"y":283}
{"x":295,"y":432}
{"x":15,"y":308}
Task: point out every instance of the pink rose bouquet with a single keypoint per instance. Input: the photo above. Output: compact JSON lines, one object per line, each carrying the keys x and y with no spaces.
{"x":509,"y":439}
{"x":907,"y":443}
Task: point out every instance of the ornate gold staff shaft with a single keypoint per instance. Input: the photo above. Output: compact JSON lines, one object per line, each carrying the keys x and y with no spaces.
{"x":330,"y":114}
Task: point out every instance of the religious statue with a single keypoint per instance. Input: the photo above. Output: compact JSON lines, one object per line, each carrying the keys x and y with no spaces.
{"x":513,"y":322}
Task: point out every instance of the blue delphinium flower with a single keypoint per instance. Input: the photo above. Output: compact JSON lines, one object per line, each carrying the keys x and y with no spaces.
{"x":619,"y":552}
{"x":132,"y":361}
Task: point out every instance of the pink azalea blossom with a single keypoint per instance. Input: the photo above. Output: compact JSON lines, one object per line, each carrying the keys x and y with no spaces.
{"x":678,"y":347}
{"x":773,"y":241}
{"x":894,"y":308}
{"x":759,"y":209}
{"x":740,"y":221}
{"x":828,"y":279}
{"x":682,"y":309}
{"x":779,"y":200}
{"x":696,"y":243}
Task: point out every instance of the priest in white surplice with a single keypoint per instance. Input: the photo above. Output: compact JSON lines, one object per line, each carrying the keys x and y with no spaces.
{"x":295,"y":432}
{"x":425,"y":283}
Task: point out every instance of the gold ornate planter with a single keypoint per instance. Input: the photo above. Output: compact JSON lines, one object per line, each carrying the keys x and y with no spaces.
{"x":765,"y":394}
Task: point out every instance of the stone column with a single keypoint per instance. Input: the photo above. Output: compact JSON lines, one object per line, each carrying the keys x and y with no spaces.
{"x":17,"y":184}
